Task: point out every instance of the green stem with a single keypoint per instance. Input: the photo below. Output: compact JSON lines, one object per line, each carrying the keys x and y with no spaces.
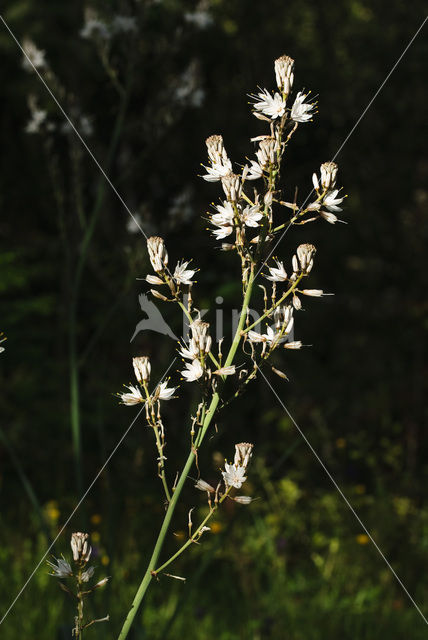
{"x":269,"y":311}
{"x":183,"y":477}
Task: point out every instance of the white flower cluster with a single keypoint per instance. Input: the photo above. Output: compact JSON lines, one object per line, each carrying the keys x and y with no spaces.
{"x":234,"y":474}
{"x":142,"y":370}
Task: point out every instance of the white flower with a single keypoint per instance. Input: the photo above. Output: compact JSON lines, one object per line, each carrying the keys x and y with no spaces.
{"x":222,"y":232}
{"x":182,"y":274}
{"x":278,"y":273}
{"x":193,"y":371}
{"x":254,"y":172}
{"x":331,"y":201}
{"x":189,"y":352}
{"x":220,"y":164}
{"x":38,"y":116}
{"x":34,"y":57}
{"x":87,"y":574}
{"x":233,"y":475}
{"x":272,"y":106}
{"x":163,"y":392}
{"x":93,"y":28}
{"x":133,"y":397}
{"x":300,"y":111}
{"x":61,"y":569}
{"x":251,"y":215}
{"x":271,"y":336}
{"x":224,"y":216}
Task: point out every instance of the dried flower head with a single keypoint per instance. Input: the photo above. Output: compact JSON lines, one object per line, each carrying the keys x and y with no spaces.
{"x":157,"y":253}
{"x":80,"y":547}
{"x":142,"y":368}
{"x":284,"y":67}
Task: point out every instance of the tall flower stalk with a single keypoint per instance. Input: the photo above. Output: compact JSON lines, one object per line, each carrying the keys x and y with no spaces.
{"x":249,"y":216}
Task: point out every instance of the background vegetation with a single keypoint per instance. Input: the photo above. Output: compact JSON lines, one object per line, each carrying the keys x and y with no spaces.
{"x":295,"y":564}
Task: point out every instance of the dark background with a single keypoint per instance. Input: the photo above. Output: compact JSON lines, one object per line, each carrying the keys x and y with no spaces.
{"x":296,"y":564}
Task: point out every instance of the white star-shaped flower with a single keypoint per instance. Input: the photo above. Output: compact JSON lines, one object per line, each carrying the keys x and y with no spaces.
{"x":271,"y":336}
{"x":193,"y":371}
{"x":61,"y":569}
{"x":272,"y":106}
{"x":217,"y":170}
{"x":251,"y":215}
{"x":254,"y":172}
{"x":234,"y":475}
{"x":278,"y":273}
{"x":163,"y":392}
{"x":134,"y":397}
{"x":182,"y":274}
{"x":224,"y":216}
{"x":300,"y":111}
{"x":331,"y":201}
{"x":222,"y":232}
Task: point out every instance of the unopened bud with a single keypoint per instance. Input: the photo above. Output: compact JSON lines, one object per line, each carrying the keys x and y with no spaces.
{"x":284,"y":73}
{"x":279,"y":373}
{"x":243,"y":453}
{"x":232,"y":187}
{"x":297,"y":344}
{"x":328,"y":174}
{"x":315,"y":293}
{"x":305,"y":253}
{"x":101,"y":583}
{"x":142,"y":368}
{"x":153,"y":280}
{"x":80,"y":547}
{"x":204,"y":486}
{"x":156,"y":294}
{"x":243,"y":499}
{"x":157,"y":253}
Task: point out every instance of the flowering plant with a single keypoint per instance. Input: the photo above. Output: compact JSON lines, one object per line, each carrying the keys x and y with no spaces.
{"x":247,"y":217}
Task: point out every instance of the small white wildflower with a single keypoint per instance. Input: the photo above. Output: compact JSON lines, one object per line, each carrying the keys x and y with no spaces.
{"x":233,"y":476}
{"x":34,"y":57}
{"x":182,"y":274}
{"x":271,"y":337}
{"x":300,"y":111}
{"x":272,"y":106}
{"x":220,"y":164}
{"x":189,"y":352}
{"x":225,"y":215}
{"x":254,"y":171}
{"x":133,"y":397}
{"x":251,"y":215}
{"x":61,"y":569}
{"x":95,"y":28}
{"x":222,"y":232}
{"x":331,"y":200}
{"x":193,"y":371}
{"x":278,"y":273}
{"x":163,"y":392}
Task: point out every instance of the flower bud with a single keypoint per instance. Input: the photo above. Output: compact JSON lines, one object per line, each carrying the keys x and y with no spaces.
{"x":153,"y":280}
{"x":315,"y":293}
{"x":204,"y":486}
{"x":266,"y":154}
{"x":216,"y":151}
{"x":80,"y":547}
{"x":158,"y":295}
{"x":142,"y":368}
{"x":201,"y":340}
{"x":284,"y":73}
{"x":243,"y":499}
{"x":328,"y":174}
{"x":243,"y":453}
{"x":232,"y":186}
{"x":157,"y":253}
{"x":305,"y":253}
